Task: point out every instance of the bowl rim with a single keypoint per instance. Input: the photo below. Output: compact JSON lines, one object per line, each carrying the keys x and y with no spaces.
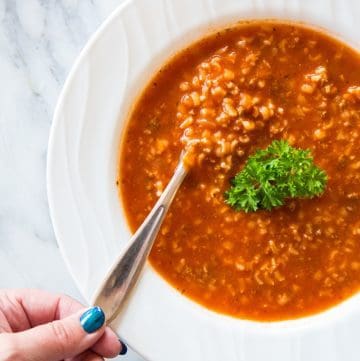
{"x":55,"y":122}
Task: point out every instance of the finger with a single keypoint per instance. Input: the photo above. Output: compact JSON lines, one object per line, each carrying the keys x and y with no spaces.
{"x":60,"y":339}
{"x":4,"y":324}
{"x":25,"y":308}
{"x":108,"y":345}
{"x":87,"y":356}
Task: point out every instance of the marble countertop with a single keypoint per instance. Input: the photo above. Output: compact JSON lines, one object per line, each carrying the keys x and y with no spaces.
{"x":39,"y":41}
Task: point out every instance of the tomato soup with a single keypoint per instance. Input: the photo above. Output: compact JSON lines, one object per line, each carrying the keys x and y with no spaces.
{"x":221,"y":99}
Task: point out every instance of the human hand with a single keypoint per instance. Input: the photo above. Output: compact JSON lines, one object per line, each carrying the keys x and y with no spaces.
{"x":39,"y":326}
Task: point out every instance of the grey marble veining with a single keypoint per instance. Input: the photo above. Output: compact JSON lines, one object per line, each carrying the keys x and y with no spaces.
{"x":39,"y":41}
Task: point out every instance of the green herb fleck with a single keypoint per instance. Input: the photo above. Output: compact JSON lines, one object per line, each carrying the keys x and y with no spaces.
{"x":275,"y":174}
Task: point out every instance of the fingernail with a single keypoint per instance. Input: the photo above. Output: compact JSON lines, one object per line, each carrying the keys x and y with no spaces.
{"x":92,"y":319}
{"x":123,"y":348}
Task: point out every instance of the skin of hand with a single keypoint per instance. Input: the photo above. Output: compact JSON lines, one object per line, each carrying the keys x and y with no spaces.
{"x":39,"y":326}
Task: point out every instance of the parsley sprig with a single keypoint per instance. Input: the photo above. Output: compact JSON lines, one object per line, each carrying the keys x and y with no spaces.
{"x":274,"y":174}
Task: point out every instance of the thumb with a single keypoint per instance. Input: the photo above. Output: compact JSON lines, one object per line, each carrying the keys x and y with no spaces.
{"x":60,"y":339}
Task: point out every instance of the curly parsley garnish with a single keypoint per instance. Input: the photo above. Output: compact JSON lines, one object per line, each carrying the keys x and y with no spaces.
{"x":275,"y":174}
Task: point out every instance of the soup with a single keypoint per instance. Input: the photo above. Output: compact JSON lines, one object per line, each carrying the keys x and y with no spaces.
{"x":221,"y":99}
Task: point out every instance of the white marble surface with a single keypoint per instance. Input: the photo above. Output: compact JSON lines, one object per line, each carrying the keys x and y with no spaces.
{"x":39,"y":41}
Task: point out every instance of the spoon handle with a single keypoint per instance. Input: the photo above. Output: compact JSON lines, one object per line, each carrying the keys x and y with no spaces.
{"x":124,"y":273}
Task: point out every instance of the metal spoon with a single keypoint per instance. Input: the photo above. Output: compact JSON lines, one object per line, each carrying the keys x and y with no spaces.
{"x":124,"y":273}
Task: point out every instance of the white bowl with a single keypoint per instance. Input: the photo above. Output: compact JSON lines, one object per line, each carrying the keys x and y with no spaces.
{"x":89,"y":222}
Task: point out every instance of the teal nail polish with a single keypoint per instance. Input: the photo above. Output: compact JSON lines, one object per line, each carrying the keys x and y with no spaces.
{"x":92,"y":319}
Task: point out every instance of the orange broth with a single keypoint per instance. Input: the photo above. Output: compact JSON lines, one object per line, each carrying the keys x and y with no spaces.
{"x":222,"y":98}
